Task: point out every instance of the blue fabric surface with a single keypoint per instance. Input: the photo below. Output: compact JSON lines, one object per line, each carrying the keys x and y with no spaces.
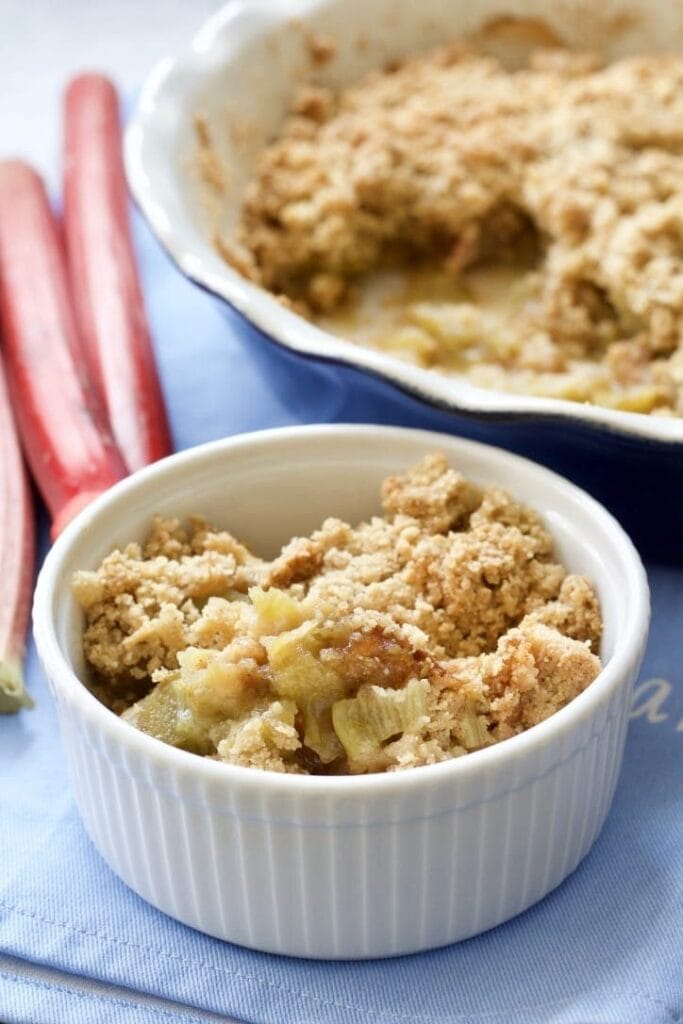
{"x":605,"y":948}
{"x":55,"y":995}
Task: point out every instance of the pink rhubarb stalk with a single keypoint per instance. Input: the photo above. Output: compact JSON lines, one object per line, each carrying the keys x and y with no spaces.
{"x":105,"y":285}
{"x":17,"y":554}
{"x":63,"y":431}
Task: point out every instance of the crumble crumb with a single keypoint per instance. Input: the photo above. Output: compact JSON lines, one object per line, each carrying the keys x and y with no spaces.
{"x":212,"y":169}
{"x":321,"y":47}
{"x":438,"y":497}
{"x":436,"y":629}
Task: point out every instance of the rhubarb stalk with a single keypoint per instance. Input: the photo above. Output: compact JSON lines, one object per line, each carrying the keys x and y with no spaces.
{"x":105,"y":286}
{"x":63,"y":431}
{"x":17,"y":553}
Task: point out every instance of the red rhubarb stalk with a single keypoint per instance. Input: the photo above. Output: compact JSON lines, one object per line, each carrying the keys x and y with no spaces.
{"x":17,"y":554}
{"x":104,"y":280}
{"x":69,"y":449}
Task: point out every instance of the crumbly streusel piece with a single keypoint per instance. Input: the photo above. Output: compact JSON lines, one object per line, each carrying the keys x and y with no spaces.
{"x":464,"y":587}
{"x":476,"y":702}
{"x":438,"y":497}
{"x":266,"y":739}
{"x":575,"y":613}
{"x":146,"y":603}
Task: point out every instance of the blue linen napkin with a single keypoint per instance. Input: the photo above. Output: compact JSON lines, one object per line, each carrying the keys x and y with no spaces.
{"x":77,"y":945}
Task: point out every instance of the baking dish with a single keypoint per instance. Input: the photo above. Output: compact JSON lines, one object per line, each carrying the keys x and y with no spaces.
{"x":239,"y":73}
{"x":340,"y":867}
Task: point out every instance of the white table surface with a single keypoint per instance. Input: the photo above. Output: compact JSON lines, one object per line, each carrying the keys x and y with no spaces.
{"x":42,"y":44}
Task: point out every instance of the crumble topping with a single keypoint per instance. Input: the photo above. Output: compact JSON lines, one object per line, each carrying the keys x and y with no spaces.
{"x":439,"y":628}
{"x":539,"y":212}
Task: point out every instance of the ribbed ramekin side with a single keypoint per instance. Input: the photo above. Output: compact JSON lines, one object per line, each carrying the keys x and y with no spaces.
{"x":608,"y":772}
{"x":279,"y":876}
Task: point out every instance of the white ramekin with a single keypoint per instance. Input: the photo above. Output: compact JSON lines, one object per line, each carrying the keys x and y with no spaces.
{"x":240,"y":73}
{"x":341,"y":867}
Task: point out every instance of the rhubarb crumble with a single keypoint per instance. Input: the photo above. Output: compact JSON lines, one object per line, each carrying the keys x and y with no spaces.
{"x":439,"y":628}
{"x":523,"y":229}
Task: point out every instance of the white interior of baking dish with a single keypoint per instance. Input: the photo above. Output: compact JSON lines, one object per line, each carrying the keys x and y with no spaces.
{"x":240,"y":72}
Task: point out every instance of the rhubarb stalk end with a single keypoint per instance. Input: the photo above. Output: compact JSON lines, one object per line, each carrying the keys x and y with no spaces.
{"x":13,"y":693}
